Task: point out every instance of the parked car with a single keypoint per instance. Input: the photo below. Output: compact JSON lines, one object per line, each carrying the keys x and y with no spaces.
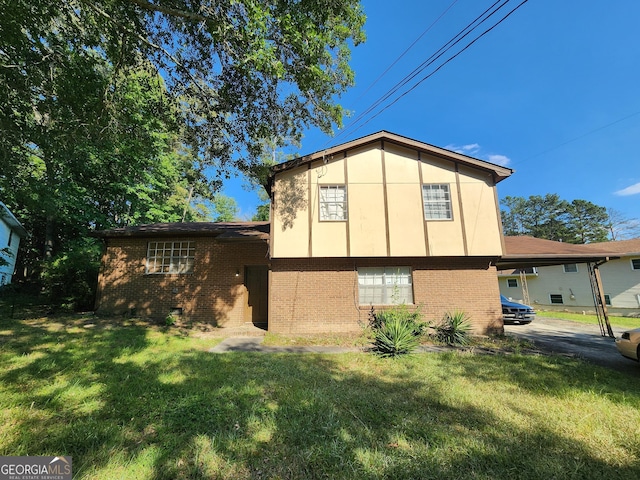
{"x":513,"y":312}
{"x":629,"y":344}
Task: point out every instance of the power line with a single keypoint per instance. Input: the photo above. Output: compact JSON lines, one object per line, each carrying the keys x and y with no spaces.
{"x":580,"y":136}
{"x":407,"y":49}
{"x":467,"y":30}
{"x":429,"y":61}
{"x":444,"y":63}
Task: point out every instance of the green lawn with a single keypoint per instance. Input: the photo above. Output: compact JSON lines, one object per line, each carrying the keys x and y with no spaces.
{"x":623,"y":322}
{"x":138,"y":402}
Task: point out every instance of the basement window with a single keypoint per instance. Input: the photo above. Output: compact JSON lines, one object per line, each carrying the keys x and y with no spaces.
{"x":512,"y":282}
{"x":170,"y":257}
{"x":556,"y":298}
{"x":385,"y":285}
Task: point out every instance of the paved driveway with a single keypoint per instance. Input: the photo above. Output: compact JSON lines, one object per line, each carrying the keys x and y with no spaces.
{"x":582,"y":340}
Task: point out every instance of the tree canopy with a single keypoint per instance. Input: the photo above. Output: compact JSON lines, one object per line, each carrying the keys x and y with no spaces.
{"x":552,"y":218}
{"x":112,"y":111}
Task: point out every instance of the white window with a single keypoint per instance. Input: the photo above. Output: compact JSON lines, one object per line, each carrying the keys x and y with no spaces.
{"x":556,"y":298}
{"x":635,"y":264}
{"x":437,"y":202}
{"x":570,"y":268}
{"x":333,"y":202}
{"x":385,"y":285}
{"x":170,"y":257}
{"x":512,"y":282}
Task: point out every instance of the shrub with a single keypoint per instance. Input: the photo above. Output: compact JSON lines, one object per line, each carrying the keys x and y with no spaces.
{"x":396,"y":331}
{"x":454,"y":329}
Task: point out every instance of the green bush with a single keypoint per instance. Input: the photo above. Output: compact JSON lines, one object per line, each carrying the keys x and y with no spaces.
{"x":70,"y":279}
{"x":396,"y":331}
{"x":454,"y":329}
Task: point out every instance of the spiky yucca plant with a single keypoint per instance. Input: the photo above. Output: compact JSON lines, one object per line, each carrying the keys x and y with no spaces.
{"x":396,"y":336}
{"x":455,"y":328}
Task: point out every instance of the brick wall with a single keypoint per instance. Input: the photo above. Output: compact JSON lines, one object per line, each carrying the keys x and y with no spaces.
{"x":212,"y":293}
{"x":321,"y":294}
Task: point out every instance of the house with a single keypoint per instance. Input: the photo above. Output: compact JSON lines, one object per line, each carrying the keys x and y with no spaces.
{"x":373,"y":222}
{"x":11,"y":232}
{"x":567,"y":285}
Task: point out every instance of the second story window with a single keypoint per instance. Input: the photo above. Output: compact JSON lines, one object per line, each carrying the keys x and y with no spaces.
{"x":437,"y":202}
{"x":333,"y":202}
{"x":570,"y":268}
{"x":170,"y":257}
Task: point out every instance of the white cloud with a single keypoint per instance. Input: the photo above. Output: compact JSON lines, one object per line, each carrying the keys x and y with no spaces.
{"x":632,"y":190}
{"x":468,"y":149}
{"x":499,"y":159}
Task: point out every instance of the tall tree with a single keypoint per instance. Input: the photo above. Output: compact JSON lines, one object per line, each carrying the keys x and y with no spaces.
{"x":587,"y":222}
{"x":550,"y":217}
{"x":620,"y":226}
{"x":241,"y":70}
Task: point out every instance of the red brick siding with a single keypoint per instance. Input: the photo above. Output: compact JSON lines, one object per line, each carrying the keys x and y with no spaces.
{"x":212,"y":293}
{"x":319,"y":295}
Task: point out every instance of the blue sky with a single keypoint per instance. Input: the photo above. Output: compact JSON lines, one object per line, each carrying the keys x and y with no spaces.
{"x":552,"y":92}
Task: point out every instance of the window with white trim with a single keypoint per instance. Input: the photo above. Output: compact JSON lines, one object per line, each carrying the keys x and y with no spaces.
{"x":570,"y":268}
{"x":635,"y":264}
{"x":512,"y":282}
{"x":385,"y":285}
{"x":436,"y":199}
{"x":170,"y":257}
{"x":556,"y":298}
{"x":333,"y":202}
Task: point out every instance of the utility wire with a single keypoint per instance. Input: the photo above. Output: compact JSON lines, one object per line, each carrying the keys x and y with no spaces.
{"x":443,"y":64}
{"x":407,"y":50}
{"x":483,"y":17}
{"x":579,"y":137}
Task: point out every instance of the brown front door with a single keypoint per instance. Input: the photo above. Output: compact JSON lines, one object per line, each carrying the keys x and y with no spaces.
{"x":256,"y":279}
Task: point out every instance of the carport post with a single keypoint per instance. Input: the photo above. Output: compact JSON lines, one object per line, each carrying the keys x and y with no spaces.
{"x":598,"y":298}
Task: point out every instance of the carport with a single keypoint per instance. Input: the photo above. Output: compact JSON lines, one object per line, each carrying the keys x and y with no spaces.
{"x":525,"y":252}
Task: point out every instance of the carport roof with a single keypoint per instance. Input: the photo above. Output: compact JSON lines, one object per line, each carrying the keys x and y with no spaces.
{"x":524,"y":251}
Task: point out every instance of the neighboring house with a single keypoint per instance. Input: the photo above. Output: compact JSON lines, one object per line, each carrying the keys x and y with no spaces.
{"x":377,"y":221}
{"x":11,"y":232}
{"x":567,"y":286}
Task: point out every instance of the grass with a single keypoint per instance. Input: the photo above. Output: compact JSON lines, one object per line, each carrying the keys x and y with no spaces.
{"x":623,"y":322}
{"x":134,"y":401}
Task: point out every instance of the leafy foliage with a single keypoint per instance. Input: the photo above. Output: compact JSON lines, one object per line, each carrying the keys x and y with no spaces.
{"x":396,"y":331}
{"x":552,"y":218}
{"x":94,"y":137}
{"x":454,"y":329}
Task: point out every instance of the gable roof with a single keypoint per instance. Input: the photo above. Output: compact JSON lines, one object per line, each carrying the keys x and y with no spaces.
{"x":499,"y":172}
{"x":221,"y":230}
{"x":524,"y":251}
{"x":622,"y":247}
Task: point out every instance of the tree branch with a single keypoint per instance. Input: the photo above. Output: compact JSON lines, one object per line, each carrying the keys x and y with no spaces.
{"x":151,"y":7}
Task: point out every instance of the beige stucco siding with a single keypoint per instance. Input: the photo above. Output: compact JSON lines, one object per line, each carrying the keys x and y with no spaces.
{"x":481,"y":221}
{"x":291,"y":214}
{"x":384,"y":183}
{"x":404,"y":202}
